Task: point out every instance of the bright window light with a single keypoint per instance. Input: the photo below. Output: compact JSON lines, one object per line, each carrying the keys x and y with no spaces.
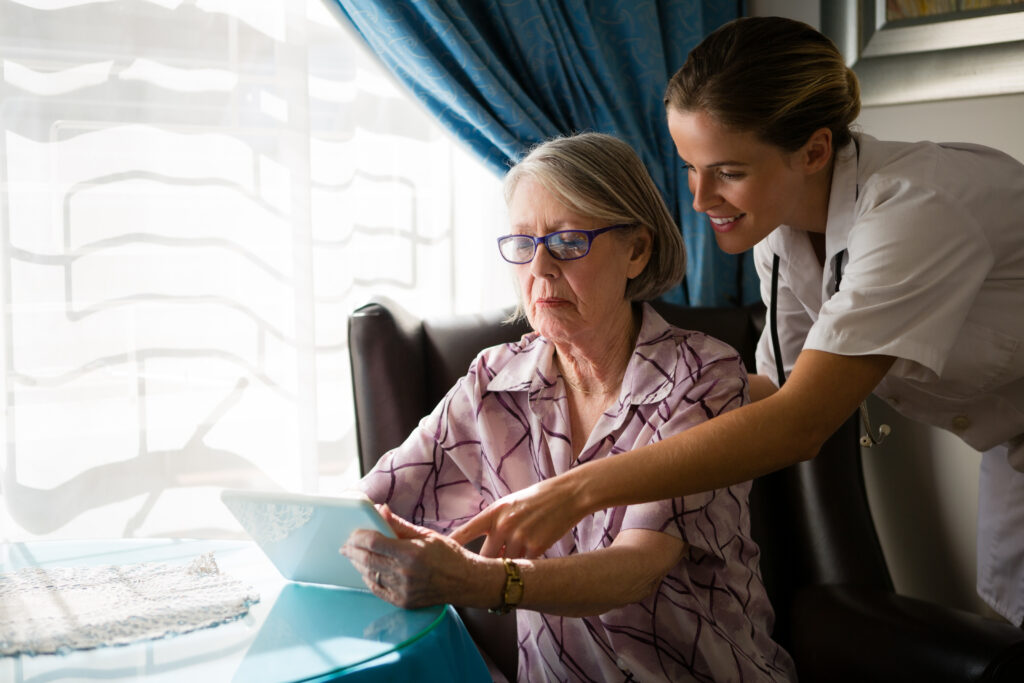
{"x":194,"y":196}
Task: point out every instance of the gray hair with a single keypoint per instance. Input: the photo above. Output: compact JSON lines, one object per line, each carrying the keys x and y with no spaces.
{"x":599,"y":176}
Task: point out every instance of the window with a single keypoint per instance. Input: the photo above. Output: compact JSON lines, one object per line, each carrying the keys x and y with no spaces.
{"x":194,"y":194}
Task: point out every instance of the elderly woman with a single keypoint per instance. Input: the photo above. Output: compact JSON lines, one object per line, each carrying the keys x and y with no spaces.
{"x":664,"y":591}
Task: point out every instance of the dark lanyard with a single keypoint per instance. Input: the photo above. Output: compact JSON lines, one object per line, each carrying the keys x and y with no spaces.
{"x":776,"y":347}
{"x":869,"y":439}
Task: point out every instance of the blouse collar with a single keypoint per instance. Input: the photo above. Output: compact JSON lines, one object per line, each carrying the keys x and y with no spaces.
{"x":648,"y":378}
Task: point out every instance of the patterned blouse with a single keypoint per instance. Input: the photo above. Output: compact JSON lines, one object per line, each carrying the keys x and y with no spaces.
{"x":505,"y":426}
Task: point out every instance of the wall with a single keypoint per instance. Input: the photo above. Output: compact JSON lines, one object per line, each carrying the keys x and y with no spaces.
{"x":922,"y":482}
{"x":929,"y":538}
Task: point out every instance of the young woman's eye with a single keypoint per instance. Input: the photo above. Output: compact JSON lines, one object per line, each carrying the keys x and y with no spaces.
{"x":729,"y":176}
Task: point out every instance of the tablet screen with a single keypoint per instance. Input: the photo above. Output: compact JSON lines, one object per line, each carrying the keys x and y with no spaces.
{"x":301,"y":534}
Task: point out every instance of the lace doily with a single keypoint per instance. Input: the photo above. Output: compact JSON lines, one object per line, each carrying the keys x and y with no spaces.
{"x":45,"y":611}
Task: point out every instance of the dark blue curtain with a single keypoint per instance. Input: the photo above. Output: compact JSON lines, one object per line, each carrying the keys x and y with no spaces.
{"x":506,"y":74}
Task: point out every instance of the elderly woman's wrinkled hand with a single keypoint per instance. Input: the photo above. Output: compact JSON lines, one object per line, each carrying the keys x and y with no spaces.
{"x":524,"y":523}
{"x":419,"y":568}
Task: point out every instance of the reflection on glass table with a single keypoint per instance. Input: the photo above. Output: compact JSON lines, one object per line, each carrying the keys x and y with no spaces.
{"x":297,"y":632}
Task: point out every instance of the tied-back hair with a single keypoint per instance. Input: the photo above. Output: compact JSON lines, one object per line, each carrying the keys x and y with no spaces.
{"x":599,"y":176}
{"x":776,"y":77}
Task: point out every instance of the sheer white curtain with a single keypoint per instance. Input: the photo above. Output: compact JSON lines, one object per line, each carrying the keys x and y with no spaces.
{"x":194,"y":194}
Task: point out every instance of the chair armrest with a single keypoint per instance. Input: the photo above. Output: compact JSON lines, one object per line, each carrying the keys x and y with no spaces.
{"x":855,"y":633}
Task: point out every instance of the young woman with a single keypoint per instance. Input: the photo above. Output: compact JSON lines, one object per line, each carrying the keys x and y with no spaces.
{"x":887,"y":267}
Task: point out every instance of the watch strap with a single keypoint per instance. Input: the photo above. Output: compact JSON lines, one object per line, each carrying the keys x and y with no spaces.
{"x":513,"y":593}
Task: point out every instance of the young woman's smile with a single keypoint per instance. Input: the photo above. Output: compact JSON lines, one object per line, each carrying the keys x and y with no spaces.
{"x":746,"y":187}
{"x":724,"y":224}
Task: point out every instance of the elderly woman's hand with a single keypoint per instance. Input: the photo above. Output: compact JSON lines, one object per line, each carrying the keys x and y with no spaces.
{"x":527,"y":522}
{"x":421,"y":567}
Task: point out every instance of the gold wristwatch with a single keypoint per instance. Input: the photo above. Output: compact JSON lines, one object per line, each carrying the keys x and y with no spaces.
{"x":513,"y":594}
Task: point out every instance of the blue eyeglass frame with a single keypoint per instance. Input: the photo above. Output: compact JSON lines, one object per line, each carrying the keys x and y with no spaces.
{"x":591,"y":234}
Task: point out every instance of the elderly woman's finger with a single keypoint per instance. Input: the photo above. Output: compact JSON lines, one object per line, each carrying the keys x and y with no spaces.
{"x":366,"y":564}
{"x":362,"y":559}
{"x":386,"y":576}
{"x":419,"y":568}
{"x":401,"y":527}
{"x":367,"y":539}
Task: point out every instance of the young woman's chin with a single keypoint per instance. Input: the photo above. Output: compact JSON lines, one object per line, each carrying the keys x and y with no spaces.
{"x":732,"y":243}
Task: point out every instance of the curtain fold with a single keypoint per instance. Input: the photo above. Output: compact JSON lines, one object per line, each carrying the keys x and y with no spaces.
{"x":503,"y":75}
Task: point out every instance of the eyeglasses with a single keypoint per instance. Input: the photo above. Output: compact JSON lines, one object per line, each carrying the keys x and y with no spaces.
{"x":564,"y":245}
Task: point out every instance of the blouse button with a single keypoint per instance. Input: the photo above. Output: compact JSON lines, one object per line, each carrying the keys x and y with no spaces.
{"x":961,"y":423}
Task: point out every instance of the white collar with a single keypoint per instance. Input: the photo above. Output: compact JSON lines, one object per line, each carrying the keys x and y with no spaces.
{"x":842,"y":200}
{"x":794,"y":246}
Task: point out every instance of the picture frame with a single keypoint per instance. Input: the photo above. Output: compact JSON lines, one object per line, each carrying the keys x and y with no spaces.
{"x":954,"y":55}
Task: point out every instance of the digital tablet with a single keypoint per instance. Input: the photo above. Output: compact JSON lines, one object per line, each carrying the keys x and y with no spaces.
{"x":301,"y":534}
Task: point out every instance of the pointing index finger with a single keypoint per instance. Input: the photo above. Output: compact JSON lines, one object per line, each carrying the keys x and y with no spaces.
{"x":474,"y":528}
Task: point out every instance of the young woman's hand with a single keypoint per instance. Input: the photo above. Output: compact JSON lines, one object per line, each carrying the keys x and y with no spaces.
{"x":527,"y":522}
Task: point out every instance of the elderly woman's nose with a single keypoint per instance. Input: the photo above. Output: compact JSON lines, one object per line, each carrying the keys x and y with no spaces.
{"x":543,"y":263}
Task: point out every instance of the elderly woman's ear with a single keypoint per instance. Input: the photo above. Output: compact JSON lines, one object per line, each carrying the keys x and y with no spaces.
{"x":642,"y":242}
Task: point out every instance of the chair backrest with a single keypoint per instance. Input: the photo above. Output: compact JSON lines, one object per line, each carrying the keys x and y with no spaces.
{"x":811,"y":520}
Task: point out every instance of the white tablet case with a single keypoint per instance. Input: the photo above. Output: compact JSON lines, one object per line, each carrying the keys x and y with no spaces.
{"x":301,"y":534}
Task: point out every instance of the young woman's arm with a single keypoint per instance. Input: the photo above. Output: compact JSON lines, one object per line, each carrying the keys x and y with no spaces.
{"x":422,"y":568}
{"x":782,"y":429}
{"x":761,"y":387}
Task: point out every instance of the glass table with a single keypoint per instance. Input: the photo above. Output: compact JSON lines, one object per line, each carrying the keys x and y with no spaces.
{"x":296,"y":632}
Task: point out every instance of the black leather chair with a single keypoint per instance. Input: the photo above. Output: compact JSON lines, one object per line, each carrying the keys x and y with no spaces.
{"x":836,"y":611}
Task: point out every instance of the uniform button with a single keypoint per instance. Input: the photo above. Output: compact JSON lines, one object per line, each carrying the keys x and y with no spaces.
{"x":961,"y":423}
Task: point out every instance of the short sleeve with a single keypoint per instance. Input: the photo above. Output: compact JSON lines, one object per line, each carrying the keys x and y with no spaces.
{"x":719,"y":387}
{"x":917,"y":261}
{"x":443,"y":453}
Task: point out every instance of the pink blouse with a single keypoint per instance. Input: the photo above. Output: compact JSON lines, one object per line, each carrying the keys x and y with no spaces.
{"x":505,"y":426}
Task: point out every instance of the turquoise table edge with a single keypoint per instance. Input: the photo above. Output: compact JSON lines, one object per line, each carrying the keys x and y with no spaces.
{"x":431,"y":642}
{"x":448,"y":654}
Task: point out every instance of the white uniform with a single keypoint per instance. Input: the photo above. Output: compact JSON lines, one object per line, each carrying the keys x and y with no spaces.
{"x":926,"y":242}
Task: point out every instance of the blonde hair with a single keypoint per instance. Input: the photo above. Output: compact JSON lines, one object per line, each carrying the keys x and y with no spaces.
{"x":599,"y":176}
{"x":776,"y":77}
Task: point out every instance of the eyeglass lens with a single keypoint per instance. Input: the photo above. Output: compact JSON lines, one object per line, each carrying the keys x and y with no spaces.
{"x":565,"y":245}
